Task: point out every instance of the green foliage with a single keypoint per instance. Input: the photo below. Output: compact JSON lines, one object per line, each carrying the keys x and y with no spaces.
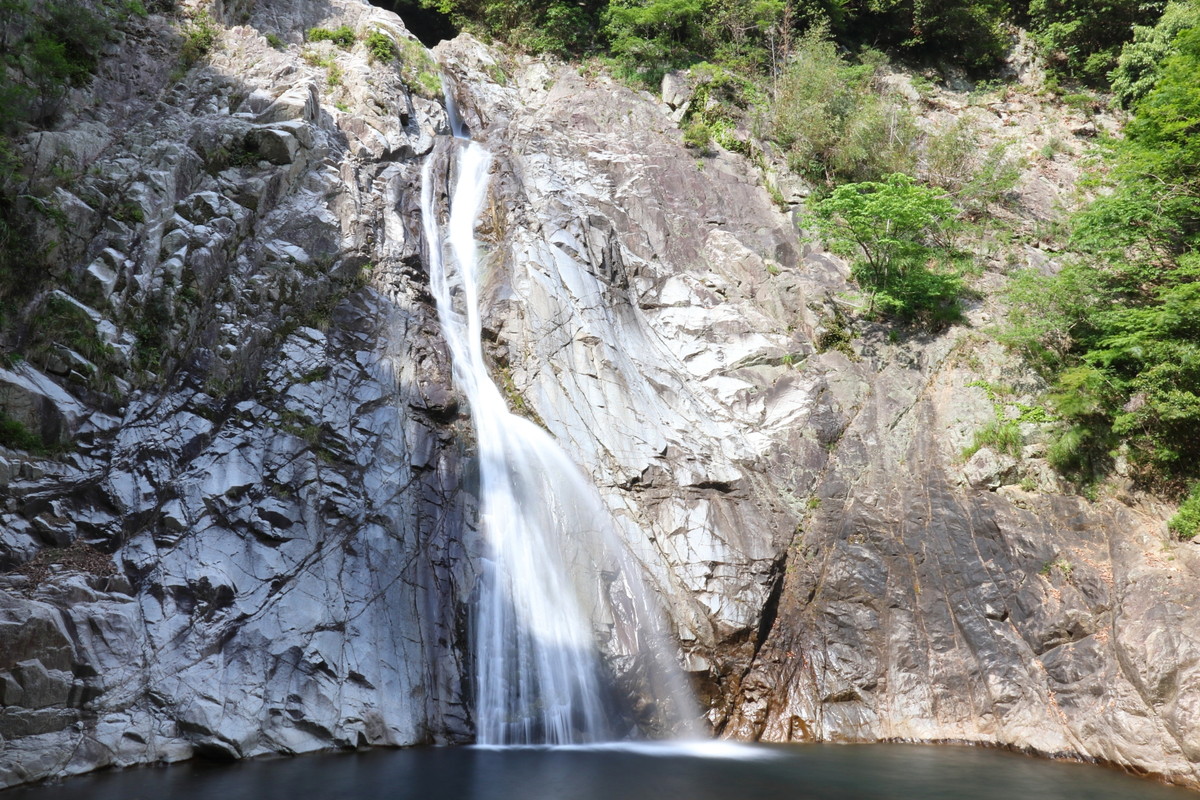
{"x":45,"y":51}
{"x":381,"y":47}
{"x":1084,"y":37}
{"x":697,"y":135}
{"x":316,"y":59}
{"x":199,"y":38}
{"x":1186,"y":523}
{"x":646,"y":38}
{"x":1081,"y":101}
{"x":540,"y":26}
{"x":1001,"y":435}
{"x":897,"y":232}
{"x":418,"y":69}
{"x":968,"y":32}
{"x":1138,"y":65}
{"x":1117,"y":331}
{"x":1047,"y":313}
{"x":128,"y":212}
{"x":655,"y":35}
{"x":1003,"y":432}
{"x":152,"y":327}
{"x":342,"y":36}
{"x":14,"y":434}
{"x":59,"y":334}
{"x":721,"y":102}
{"x":1053,"y":147}
{"x":831,"y":120}
{"x":275,"y":42}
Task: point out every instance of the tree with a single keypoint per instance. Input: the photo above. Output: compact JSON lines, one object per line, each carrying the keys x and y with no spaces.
{"x":1117,"y":331}
{"x":896,"y":231}
{"x":966,"y":32}
{"x":1138,"y":65}
{"x":1084,"y":37}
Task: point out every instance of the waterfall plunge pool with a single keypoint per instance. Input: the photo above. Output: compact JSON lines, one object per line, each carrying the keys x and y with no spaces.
{"x":669,"y":771}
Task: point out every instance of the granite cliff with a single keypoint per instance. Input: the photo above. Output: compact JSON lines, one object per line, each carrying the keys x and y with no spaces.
{"x":263,"y":541}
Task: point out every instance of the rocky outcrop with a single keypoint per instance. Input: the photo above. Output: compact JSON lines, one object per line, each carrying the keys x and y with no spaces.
{"x":271,"y":513}
{"x":835,"y":570}
{"x":262,"y":540}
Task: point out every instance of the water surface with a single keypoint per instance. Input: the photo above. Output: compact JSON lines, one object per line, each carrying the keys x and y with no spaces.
{"x":805,"y":772}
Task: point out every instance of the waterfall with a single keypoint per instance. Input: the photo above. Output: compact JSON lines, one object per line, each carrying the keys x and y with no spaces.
{"x":556,"y":575}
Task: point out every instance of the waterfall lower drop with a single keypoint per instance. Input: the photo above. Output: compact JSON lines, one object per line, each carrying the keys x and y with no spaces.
{"x":556,"y":573}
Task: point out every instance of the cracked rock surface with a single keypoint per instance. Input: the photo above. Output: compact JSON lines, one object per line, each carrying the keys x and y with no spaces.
{"x":255,"y":547}
{"x":265,"y":542}
{"x":834,"y":570}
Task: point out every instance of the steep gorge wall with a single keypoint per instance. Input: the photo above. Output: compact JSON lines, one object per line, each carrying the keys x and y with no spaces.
{"x":271,"y":530}
{"x":288,"y":513}
{"x":835,"y":572}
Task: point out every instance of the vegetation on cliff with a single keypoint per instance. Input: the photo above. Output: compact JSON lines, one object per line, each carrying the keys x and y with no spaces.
{"x":1114,"y":331}
{"x":1117,"y":330}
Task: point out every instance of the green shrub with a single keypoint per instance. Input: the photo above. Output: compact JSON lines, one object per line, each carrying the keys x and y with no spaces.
{"x":342,"y":36}
{"x":719,"y":107}
{"x":1078,"y":450}
{"x":381,"y":48}
{"x":61,"y":322}
{"x":1081,"y":101}
{"x":897,"y":233}
{"x":199,"y":38}
{"x":1001,"y":435}
{"x":978,"y":177}
{"x":832,"y":122}
{"x":128,"y":212}
{"x":1186,"y":522}
{"x":274,"y":41}
{"x":14,"y":434}
{"x":152,"y":327}
{"x":697,"y":135}
{"x":418,"y":70}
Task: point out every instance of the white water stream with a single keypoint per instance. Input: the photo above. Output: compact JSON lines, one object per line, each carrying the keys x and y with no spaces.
{"x":556,"y":575}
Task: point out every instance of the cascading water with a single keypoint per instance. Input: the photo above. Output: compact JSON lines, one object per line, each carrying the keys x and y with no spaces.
{"x":556,"y":575}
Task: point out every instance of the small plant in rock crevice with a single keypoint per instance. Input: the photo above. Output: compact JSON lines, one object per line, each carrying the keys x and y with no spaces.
{"x":343,"y":36}
{"x":1186,"y":522}
{"x":381,"y":48}
{"x":199,"y":38}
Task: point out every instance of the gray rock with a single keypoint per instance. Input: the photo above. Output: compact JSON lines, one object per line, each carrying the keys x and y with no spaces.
{"x":273,"y":548}
{"x":988,"y":469}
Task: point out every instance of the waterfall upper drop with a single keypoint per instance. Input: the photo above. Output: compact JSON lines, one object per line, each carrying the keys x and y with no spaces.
{"x":556,"y":575}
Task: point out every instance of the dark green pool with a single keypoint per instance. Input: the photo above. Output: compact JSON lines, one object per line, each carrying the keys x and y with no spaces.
{"x":810,"y":772}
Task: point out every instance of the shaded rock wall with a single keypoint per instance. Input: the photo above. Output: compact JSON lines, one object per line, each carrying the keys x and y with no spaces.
{"x":254,"y":545}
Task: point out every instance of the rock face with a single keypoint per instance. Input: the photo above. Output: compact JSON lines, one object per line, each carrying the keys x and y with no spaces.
{"x":266,"y":545}
{"x":835,"y":572}
{"x":274,"y":524}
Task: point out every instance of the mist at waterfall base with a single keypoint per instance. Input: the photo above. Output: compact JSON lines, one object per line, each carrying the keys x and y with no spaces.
{"x":793,"y":772}
{"x":556,"y":580}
